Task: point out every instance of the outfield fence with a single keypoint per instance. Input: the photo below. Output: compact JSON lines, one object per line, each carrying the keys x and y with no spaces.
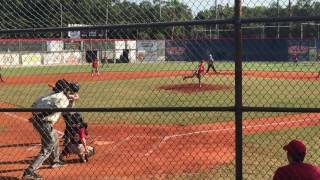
{"x":159,"y":120}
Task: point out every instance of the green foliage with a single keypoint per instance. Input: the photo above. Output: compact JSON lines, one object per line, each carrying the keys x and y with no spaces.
{"x":20,"y":14}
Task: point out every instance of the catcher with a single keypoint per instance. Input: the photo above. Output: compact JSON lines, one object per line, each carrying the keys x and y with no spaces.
{"x":75,"y":138}
{"x":73,"y":97}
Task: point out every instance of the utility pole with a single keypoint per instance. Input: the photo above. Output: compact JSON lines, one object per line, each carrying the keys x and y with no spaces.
{"x":61,"y":34}
{"x":107,"y":18}
{"x":290,"y":23}
{"x":301,"y":31}
{"x":216,"y":13}
{"x":278,"y":28}
{"x":160,"y":10}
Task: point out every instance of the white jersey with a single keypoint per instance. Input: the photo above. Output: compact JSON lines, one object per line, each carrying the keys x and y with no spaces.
{"x":53,"y":100}
{"x":211,"y":58}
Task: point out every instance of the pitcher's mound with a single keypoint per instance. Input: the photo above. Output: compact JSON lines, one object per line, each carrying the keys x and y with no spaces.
{"x":194,"y":87}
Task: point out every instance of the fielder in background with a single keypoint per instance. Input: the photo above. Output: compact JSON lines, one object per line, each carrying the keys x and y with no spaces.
{"x":296,"y":169}
{"x":1,"y":77}
{"x":197,"y":73}
{"x":43,"y":123}
{"x":77,"y":144}
{"x":210,"y":64}
{"x":104,"y":61}
{"x":95,"y":66}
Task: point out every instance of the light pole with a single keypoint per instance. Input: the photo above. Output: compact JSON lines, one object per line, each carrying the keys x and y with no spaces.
{"x":301,"y":31}
{"x":107,"y":18}
{"x":278,"y":27}
{"x":160,"y":10}
{"x":290,"y":14}
{"x":61,"y":35}
{"x":216,"y":14}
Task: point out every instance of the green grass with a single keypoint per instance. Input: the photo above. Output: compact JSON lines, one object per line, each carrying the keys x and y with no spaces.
{"x":146,"y":93}
{"x":2,"y":129}
{"x":221,"y":65}
{"x":262,"y":152}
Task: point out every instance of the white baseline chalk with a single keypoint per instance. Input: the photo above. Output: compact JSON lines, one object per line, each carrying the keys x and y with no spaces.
{"x":166,"y":138}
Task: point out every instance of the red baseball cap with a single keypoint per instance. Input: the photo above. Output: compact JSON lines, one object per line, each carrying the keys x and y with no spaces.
{"x":296,"y":148}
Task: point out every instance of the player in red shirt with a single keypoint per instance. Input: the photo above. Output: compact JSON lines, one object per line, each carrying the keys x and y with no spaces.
{"x":198,"y":73}
{"x":1,"y":77}
{"x":95,"y":66}
{"x":296,"y":169}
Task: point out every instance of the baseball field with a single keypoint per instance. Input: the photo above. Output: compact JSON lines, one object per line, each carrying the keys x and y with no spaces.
{"x":167,"y":145}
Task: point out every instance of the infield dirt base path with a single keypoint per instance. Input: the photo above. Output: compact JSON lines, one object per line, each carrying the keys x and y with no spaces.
{"x":136,"y":151}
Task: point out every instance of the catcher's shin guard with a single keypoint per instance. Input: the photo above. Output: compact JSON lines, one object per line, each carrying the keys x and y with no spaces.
{"x":92,"y":151}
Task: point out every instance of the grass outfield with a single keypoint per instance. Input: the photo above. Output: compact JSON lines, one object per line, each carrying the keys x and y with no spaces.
{"x":262,"y":152}
{"x":220,"y":65}
{"x":146,"y":92}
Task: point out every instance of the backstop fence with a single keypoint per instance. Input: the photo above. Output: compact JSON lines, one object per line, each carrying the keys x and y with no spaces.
{"x":157,"y":89}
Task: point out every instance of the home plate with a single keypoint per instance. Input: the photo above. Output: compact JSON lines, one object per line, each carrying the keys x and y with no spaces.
{"x":100,"y":143}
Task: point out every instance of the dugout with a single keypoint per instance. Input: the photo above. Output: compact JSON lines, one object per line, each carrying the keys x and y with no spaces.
{"x":124,"y":58}
{"x":90,"y":55}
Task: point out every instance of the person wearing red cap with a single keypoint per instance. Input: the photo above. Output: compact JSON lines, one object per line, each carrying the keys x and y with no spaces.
{"x":296,"y":169}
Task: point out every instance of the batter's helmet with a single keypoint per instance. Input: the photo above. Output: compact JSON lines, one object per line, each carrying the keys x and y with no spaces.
{"x":74,"y":86}
{"x":62,"y":85}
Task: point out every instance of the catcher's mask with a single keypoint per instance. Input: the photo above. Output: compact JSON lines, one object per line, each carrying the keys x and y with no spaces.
{"x":74,"y":87}
{"x":62,"y":85}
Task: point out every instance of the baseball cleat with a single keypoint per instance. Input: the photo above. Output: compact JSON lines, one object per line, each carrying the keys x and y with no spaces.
{"x":57,"y":165}
{"x":31,"y":176}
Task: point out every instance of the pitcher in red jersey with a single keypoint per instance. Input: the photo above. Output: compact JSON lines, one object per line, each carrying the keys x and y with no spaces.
{"x":198,"y":73}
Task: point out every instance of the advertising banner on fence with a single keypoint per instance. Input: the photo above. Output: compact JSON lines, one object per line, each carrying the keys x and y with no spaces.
{"x":298,"y":50}
{"x":131,"y":45}
{"x":53,"y":46}
{"x":132,"y":56}
{"x":176,"y":50}
{"x":31,"y":59}
{"x":9,"y":59}
{"x":119,"y":45}
{"x":71,"y":57}
{"x":318,"y":50}
{"x":151,"y":50}
{"x":52,"y":58}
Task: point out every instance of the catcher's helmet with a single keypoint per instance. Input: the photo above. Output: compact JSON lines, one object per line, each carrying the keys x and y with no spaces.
{"x":74,"y":86}
{"x":62,"y":85}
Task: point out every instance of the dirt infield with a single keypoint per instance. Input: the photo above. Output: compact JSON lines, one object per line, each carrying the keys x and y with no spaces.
{"x":137,"y":151}
{"x":192,"y":88}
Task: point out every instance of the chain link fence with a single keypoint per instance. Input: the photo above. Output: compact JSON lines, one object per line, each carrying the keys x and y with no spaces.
{"x":210,"y":89}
